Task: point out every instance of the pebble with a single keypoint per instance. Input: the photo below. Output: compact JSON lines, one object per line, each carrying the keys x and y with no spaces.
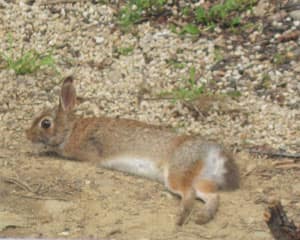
{"x":261,"y":235}
{"x":297,"y":23}
{"x":99,"y":40}
{"x":296,"y":188}
{"x":64,"y":233}
{"x":295,"y":15}
{"x":278,"y":16}
{"x":297,"y":68}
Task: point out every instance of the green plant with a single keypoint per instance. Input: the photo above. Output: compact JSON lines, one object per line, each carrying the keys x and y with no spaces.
{"x":173,"y":28}
{"x":234,"y":94}
{"x":29,"y":62}
{"x":266,"y":81}
{"x":218,"y":55}
{"x":125,"y":51}
{"x":224,"y":13}
{"x":190,"y":92}
{"x":192,"y":76}
{"x":201,"y":15}
{"x":236,"y":21}
{"x":186,"y":11}
{"x":250,"y":26}
{"x":176,"y":64}
{"x":191,"y":29}
{"x":135,"y":10}
{"x":280,"y":58}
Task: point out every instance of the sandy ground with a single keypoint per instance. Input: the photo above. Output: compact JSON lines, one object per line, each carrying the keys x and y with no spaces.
{"x":44,"y":196}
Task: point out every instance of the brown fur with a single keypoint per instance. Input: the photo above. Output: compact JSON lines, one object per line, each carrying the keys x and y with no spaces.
{"x":79,"y":135}
{"x":183,"y":181}
{"x":232,"y":177}
{"x":148,"y":150}
{"x":206,"y":186}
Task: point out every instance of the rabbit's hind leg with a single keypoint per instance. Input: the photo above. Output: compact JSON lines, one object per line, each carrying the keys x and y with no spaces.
{"x":180,"y":181}
{"x":206,"y":190}
{"x":179,"y":185}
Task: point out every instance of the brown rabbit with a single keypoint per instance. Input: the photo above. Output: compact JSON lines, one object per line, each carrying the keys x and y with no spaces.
{"x":188,"y":166}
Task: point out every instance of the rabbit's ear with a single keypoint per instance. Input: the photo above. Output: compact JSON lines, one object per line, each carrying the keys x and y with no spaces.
{"x":67,"y":100}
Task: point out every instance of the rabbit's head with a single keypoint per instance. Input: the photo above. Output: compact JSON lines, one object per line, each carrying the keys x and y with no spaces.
{"x":53,"y":126}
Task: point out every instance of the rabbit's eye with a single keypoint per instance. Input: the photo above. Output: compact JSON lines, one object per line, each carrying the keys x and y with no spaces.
{"x":46,"y":123}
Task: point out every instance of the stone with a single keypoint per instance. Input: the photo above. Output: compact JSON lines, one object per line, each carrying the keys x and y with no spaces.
{"x":261,"y":235}
{"x":295,"y":15}
{"x":261,"y":8}
{"x":297,"y":68}
{"x":278,"y":16}
{"x":296,"y":188}
{"x":99,"y":40}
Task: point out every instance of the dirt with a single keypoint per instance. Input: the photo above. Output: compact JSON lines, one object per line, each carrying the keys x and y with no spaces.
{"x":47,"y":196}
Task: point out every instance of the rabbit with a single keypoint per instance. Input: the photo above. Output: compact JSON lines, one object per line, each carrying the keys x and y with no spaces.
{"x":188,"y":166}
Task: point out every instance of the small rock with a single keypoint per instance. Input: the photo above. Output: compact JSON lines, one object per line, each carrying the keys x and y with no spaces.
{"x":64,"y":233}
{"x":297,"y":23}
{"x":166,"y":195}
{"x":296,"y":188}
{"x":99,"y":40}
{"x":297,"y":68}
{"x":296,"y":52}
{"x":3,"y":4}
{"x":261,"y":235}
{"x":285,"y":202}
{"x":278,"y":16}
{"x":295,"y":15}
{"x":261,"y":8}
{"x":253,"y":36}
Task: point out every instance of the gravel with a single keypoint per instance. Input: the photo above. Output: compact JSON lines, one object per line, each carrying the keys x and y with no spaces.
{"x":264,"y":70}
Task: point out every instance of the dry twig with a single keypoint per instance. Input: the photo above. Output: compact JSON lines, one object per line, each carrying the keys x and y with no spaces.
{"x":291,"y":6}
{"x":289,"y":163}
{"x":41,"y":197}
{"x":19,"y":183}
{"x":55,"y":2}
{"x":276,"y":154}
{"x":280,"y":226}
{"x":292,"y":36}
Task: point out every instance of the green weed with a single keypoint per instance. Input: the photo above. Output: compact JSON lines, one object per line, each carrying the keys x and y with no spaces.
{"x":173,"y":28}
{"x":135,"y":10}
{"x":280,"y":58}
{"x":190,"y":92}
{"x":224,"y":13}
{"x":29,"y":62}
{"x":125,"y":51}
{"x":218,"y":55}
{"x":191,"y":29}
{"x":234,"y":94}
{"x":176,"y":64}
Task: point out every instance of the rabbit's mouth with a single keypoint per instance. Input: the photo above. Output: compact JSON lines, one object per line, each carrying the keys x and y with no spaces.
{"x":34,"y":138}
{"x":42,"y":149}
